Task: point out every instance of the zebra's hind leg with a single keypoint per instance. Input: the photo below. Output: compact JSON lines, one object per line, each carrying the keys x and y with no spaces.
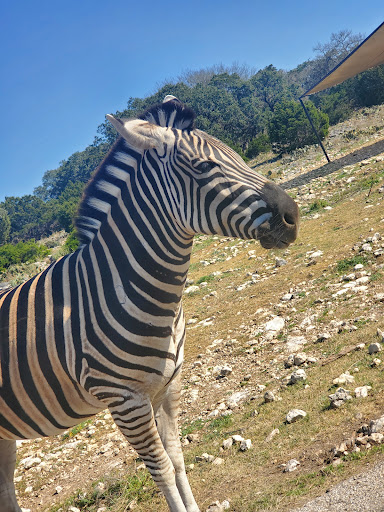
{"x":167,"y":412}
{"x":136,"y":420}
{"x":8,"y":502}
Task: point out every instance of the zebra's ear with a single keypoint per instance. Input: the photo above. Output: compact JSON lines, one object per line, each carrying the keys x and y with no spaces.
{"x":142,"y":135}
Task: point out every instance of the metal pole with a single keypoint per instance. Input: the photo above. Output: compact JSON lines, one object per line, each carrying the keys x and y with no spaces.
{"x":314,"y":129}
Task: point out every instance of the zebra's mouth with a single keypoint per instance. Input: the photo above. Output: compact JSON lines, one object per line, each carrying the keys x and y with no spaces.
{"x":268,"y":242}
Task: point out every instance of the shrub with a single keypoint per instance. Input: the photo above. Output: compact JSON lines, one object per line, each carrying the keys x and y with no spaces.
{"x":23,"y":252}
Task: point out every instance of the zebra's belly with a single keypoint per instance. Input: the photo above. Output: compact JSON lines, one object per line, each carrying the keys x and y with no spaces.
{"x":41,"y":403}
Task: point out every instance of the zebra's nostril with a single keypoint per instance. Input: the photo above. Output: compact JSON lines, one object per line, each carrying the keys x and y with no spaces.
{"x":288,"y":219}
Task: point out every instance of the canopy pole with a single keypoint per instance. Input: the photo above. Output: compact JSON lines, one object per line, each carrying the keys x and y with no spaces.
{"x":314,"y":129}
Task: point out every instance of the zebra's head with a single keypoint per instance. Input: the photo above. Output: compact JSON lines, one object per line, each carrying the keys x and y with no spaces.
{"x":209,"y":187}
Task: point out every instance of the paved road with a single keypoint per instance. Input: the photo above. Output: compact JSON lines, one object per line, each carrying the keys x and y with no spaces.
{"x":361,"y":493}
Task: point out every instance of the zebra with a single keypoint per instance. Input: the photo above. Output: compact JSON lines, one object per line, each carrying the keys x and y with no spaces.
{"x":104,"y":327}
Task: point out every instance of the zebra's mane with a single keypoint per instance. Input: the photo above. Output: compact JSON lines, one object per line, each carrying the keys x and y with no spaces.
{"x":99,"y":192}
{"x":172,"y":112}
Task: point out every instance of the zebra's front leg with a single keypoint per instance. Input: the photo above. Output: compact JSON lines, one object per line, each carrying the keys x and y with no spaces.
{"x":8,"y":502}
{"x":166,"y":414}
{"x":136,"y":421}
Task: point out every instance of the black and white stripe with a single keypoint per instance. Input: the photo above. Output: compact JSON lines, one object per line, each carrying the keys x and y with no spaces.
{"x":104,"y":327}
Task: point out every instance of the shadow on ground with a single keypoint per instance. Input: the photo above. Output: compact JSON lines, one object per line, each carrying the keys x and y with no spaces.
{"x":324,"y":170}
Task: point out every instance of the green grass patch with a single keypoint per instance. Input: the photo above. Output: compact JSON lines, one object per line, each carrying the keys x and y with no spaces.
{"x":317,"y":205}
{"x":205,"y":279}
{"x":120,"y":493}
{"x":75,"y":430}
{"x":347,"y":264}
{"x":189,"y":428}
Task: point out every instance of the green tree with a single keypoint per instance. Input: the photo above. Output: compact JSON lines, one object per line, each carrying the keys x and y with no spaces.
{"x":259,"y":144}
{"x":68,"y":205}
{"x":271,"y":87}
{"x":5,"y":226}
{"x":289,"y":127}
{"x":30,"y":217}
{"x":369,"y":87}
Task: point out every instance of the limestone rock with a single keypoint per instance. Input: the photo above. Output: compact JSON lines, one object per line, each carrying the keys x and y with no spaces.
{"x":338,"y":398}
{"x":344,"y":378}
{"x":245,"y":445}
{"x":362,"y":391}
{"x":275,"y":325}
{"x":269,"y":396}
{"x":374,"y":348}
{"x":291,"y":465}
{"x":298,"y":376}
{"x":294,"y":415}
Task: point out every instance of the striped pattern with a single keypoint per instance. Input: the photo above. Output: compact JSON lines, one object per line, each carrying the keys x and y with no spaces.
{"x":104,"y":327}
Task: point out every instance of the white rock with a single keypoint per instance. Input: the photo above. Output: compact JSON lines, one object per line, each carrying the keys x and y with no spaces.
{"x":291,"y":465}
{"x":298,"y":376}
{"x":30,"y":462}
{"x":317,"y":254}
{"x":227,"y":443}
{"x":377,"y":425}
{"x":218,"y":507}
{"x":295,"y":343}
{"x":323,"y":337}
{"x":294,"y":415}
{"x":280,"y":262}
{"x":236,"y":399}
{"x":237,"y":438}
{"x":270,"y":436}
{"x":191,"y":289}
{"x":275,"y":325}
{"x":362,"y":391}
{"x":376,"y":438}
{"x":73,"y":509}
{"x":374,"y":348}
{"x":225,"y":370}
{"x":245,"y":445}
{"x":269,"y":396}
{"x":344,"y":378}
{"x":300,"y":358}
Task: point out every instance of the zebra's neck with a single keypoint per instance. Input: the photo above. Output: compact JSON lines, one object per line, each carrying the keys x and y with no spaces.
{"x":134,"y":243}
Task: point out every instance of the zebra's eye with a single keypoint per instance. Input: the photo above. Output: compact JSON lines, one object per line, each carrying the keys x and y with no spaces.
{"x":206,"y":166}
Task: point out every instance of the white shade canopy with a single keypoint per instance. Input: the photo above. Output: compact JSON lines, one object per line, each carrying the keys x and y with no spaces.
{"x":368,"y":54}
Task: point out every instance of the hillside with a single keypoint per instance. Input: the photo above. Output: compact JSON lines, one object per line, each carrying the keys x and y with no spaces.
{"x":249,"y":313}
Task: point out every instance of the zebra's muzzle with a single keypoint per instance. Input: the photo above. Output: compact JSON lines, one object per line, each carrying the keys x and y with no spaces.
{"x":282,"y":226}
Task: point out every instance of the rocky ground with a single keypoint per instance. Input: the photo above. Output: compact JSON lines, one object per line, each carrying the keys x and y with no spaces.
{"x":264,"y":331}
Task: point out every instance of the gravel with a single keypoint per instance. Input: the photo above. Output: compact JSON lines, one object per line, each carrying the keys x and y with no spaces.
{"x":361,"y":493}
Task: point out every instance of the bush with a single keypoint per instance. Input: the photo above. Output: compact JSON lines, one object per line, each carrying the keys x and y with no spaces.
{"x":260,"y":144}
{"x":71,"y":243}
{"x":23,"y":252}
{"x":290,"y":129}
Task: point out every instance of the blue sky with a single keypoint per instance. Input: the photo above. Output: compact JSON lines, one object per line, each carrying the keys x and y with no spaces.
{"x":64,"y":65}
